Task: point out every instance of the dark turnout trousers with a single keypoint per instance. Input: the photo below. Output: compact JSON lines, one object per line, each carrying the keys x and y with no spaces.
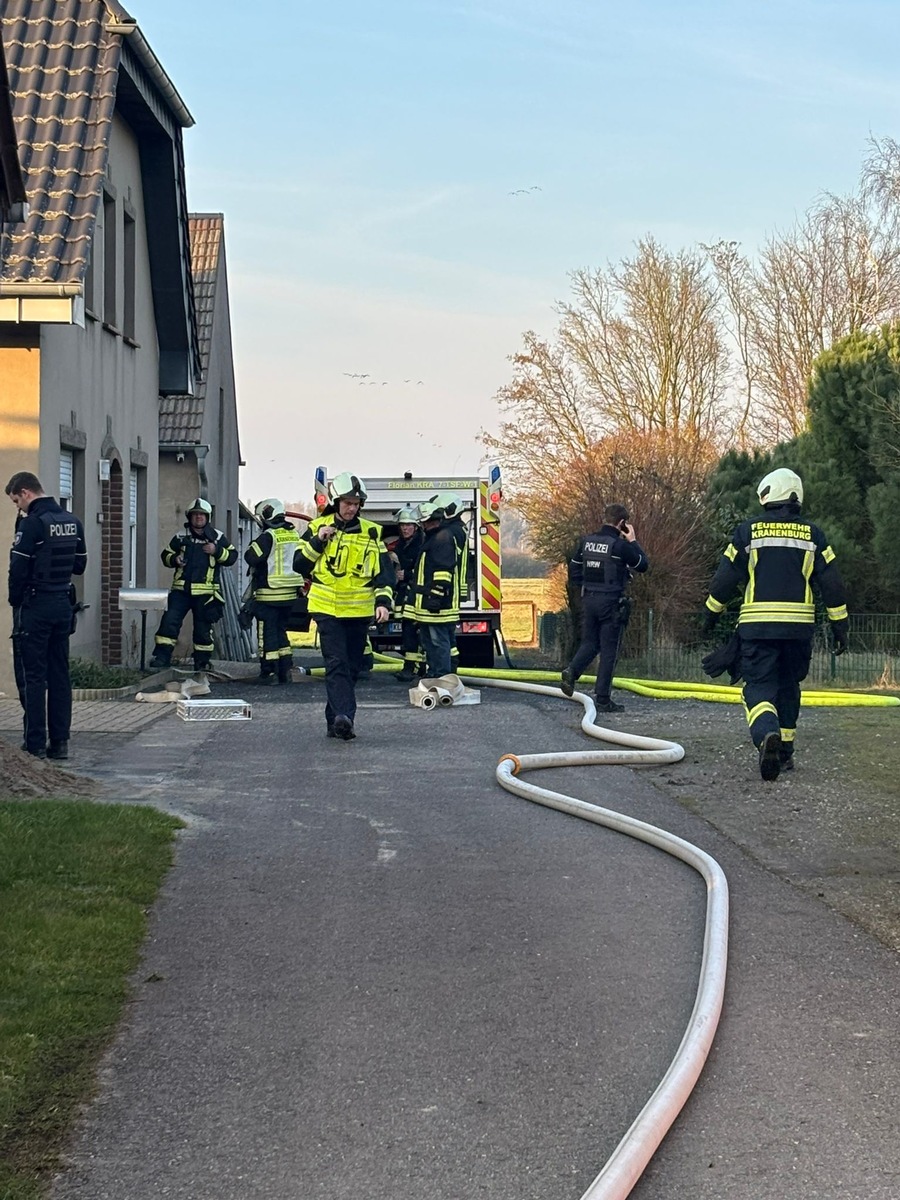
{"x":272,"y":641}
{"x":343,"y":644}
{"x":773,"y":669}
{"x":206,"y":610}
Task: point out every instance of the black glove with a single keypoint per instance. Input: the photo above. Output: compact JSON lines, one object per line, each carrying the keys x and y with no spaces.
{"x":839,"y":631}
{"x":432,"y":604}
{"x":709,"y":620}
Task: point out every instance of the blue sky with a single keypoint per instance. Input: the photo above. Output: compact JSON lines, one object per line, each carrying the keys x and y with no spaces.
{"x":364,"y":155}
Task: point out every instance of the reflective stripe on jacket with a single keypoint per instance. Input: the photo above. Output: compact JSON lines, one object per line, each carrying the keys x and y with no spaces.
{"x":198,"y":575}
{"x":778,"y":558}
{"x":351,"y":573}
{"x":271,"y":556}
{"x":434,"y":596}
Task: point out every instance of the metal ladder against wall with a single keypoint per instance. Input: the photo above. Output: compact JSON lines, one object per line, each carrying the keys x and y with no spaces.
{"x":233,"y":644}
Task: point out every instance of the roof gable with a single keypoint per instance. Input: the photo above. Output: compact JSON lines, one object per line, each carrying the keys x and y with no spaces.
{"x":181,"y":417}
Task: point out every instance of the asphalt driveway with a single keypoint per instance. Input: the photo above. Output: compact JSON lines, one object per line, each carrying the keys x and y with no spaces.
{"x":374,"y":972}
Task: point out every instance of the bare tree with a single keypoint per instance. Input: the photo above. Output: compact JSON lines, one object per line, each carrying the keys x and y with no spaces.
{"x":639,"y":349}
{"x":629,"y":404}
{"x":646,"y":336}
{"x":837,"y":270}
{"x":549,"y":419}
{"x":880,"y":176}
{"x":660,"y":477}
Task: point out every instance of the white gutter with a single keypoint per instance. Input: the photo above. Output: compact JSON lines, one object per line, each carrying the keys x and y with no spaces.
{"x":44,"y":291}
{"x":153,"y":67}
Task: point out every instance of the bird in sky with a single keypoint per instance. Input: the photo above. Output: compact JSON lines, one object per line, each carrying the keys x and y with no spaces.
{"x":525,"y":191}
{"x":355,"y":374}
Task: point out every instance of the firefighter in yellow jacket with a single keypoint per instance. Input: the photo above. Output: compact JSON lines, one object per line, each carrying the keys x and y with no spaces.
{"x":276,"y":586}
{"x":777,"y":558}
{"x":352,"y":581}
{"x":198,"y":556}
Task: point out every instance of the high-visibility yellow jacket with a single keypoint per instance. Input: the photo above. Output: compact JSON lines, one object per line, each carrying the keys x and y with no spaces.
{"x":351,"y":573}
{"x":271,"y":558}
{"x":778,"y":558}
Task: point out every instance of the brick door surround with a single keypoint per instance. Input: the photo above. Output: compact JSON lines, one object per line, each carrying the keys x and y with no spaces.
{"x":112,"y":495}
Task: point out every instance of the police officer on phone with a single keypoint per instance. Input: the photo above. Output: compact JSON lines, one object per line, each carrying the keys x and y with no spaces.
{"x":600,"y":569}
{"x":48,"y":549}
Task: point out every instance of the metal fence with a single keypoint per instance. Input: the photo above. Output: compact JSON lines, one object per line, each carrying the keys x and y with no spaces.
{"x":658,"y":649}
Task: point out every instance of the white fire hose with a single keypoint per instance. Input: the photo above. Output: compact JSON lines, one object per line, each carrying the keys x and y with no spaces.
{"x":629,"y":1159}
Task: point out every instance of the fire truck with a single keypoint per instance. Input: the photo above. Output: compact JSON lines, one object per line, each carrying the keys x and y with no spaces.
{"x":478,"y":634}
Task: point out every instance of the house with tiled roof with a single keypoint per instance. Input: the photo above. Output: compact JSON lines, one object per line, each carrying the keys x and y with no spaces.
{"x":98,"y":323}
{"x":199,"y":445}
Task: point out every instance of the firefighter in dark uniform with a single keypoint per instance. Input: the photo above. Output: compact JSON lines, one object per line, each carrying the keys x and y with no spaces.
{"x":600,"y":570}
{"x":435,"y":591}
{"x":49,"y":548}
{"x":406,"y":550}
{"x":198,"y":556}
{"x":453,"y":521}
{"x":276,"y":586}
{"x":352,"y":581}
{"x":777,"y":559}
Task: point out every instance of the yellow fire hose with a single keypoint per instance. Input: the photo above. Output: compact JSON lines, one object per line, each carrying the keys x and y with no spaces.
{"x":660,"y":689}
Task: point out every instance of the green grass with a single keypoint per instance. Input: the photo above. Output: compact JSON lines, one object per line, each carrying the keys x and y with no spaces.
{"x":76,"y":880}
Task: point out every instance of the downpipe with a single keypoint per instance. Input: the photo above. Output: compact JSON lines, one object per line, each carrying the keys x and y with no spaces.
{"x":629,"y":1159}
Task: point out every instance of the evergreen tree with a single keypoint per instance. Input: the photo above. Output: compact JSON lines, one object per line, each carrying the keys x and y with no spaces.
{"x":848,"y":460}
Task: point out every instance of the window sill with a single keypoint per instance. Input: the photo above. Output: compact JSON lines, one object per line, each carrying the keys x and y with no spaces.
{"x":88,"y":312}
{"x":129,"y":341}
{"x":112,"y":329}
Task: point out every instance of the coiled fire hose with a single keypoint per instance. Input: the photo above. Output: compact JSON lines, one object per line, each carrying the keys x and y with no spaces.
{"x":629,"y":1159}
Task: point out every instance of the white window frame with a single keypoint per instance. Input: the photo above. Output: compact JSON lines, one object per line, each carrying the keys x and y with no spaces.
{"x":67,"y":479}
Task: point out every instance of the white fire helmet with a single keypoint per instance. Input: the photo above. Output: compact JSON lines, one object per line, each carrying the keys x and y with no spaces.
{"x":778,"y":487}
{"x":449,"y":502}
{"x":200,"y":505}
{"x":269,"y":510}
{"x":347,"y":487}
{"x":428,"y":511}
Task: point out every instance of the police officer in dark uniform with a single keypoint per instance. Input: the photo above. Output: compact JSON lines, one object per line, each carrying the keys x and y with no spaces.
{"x":49,"y":548}
{"x":600,"y":568}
